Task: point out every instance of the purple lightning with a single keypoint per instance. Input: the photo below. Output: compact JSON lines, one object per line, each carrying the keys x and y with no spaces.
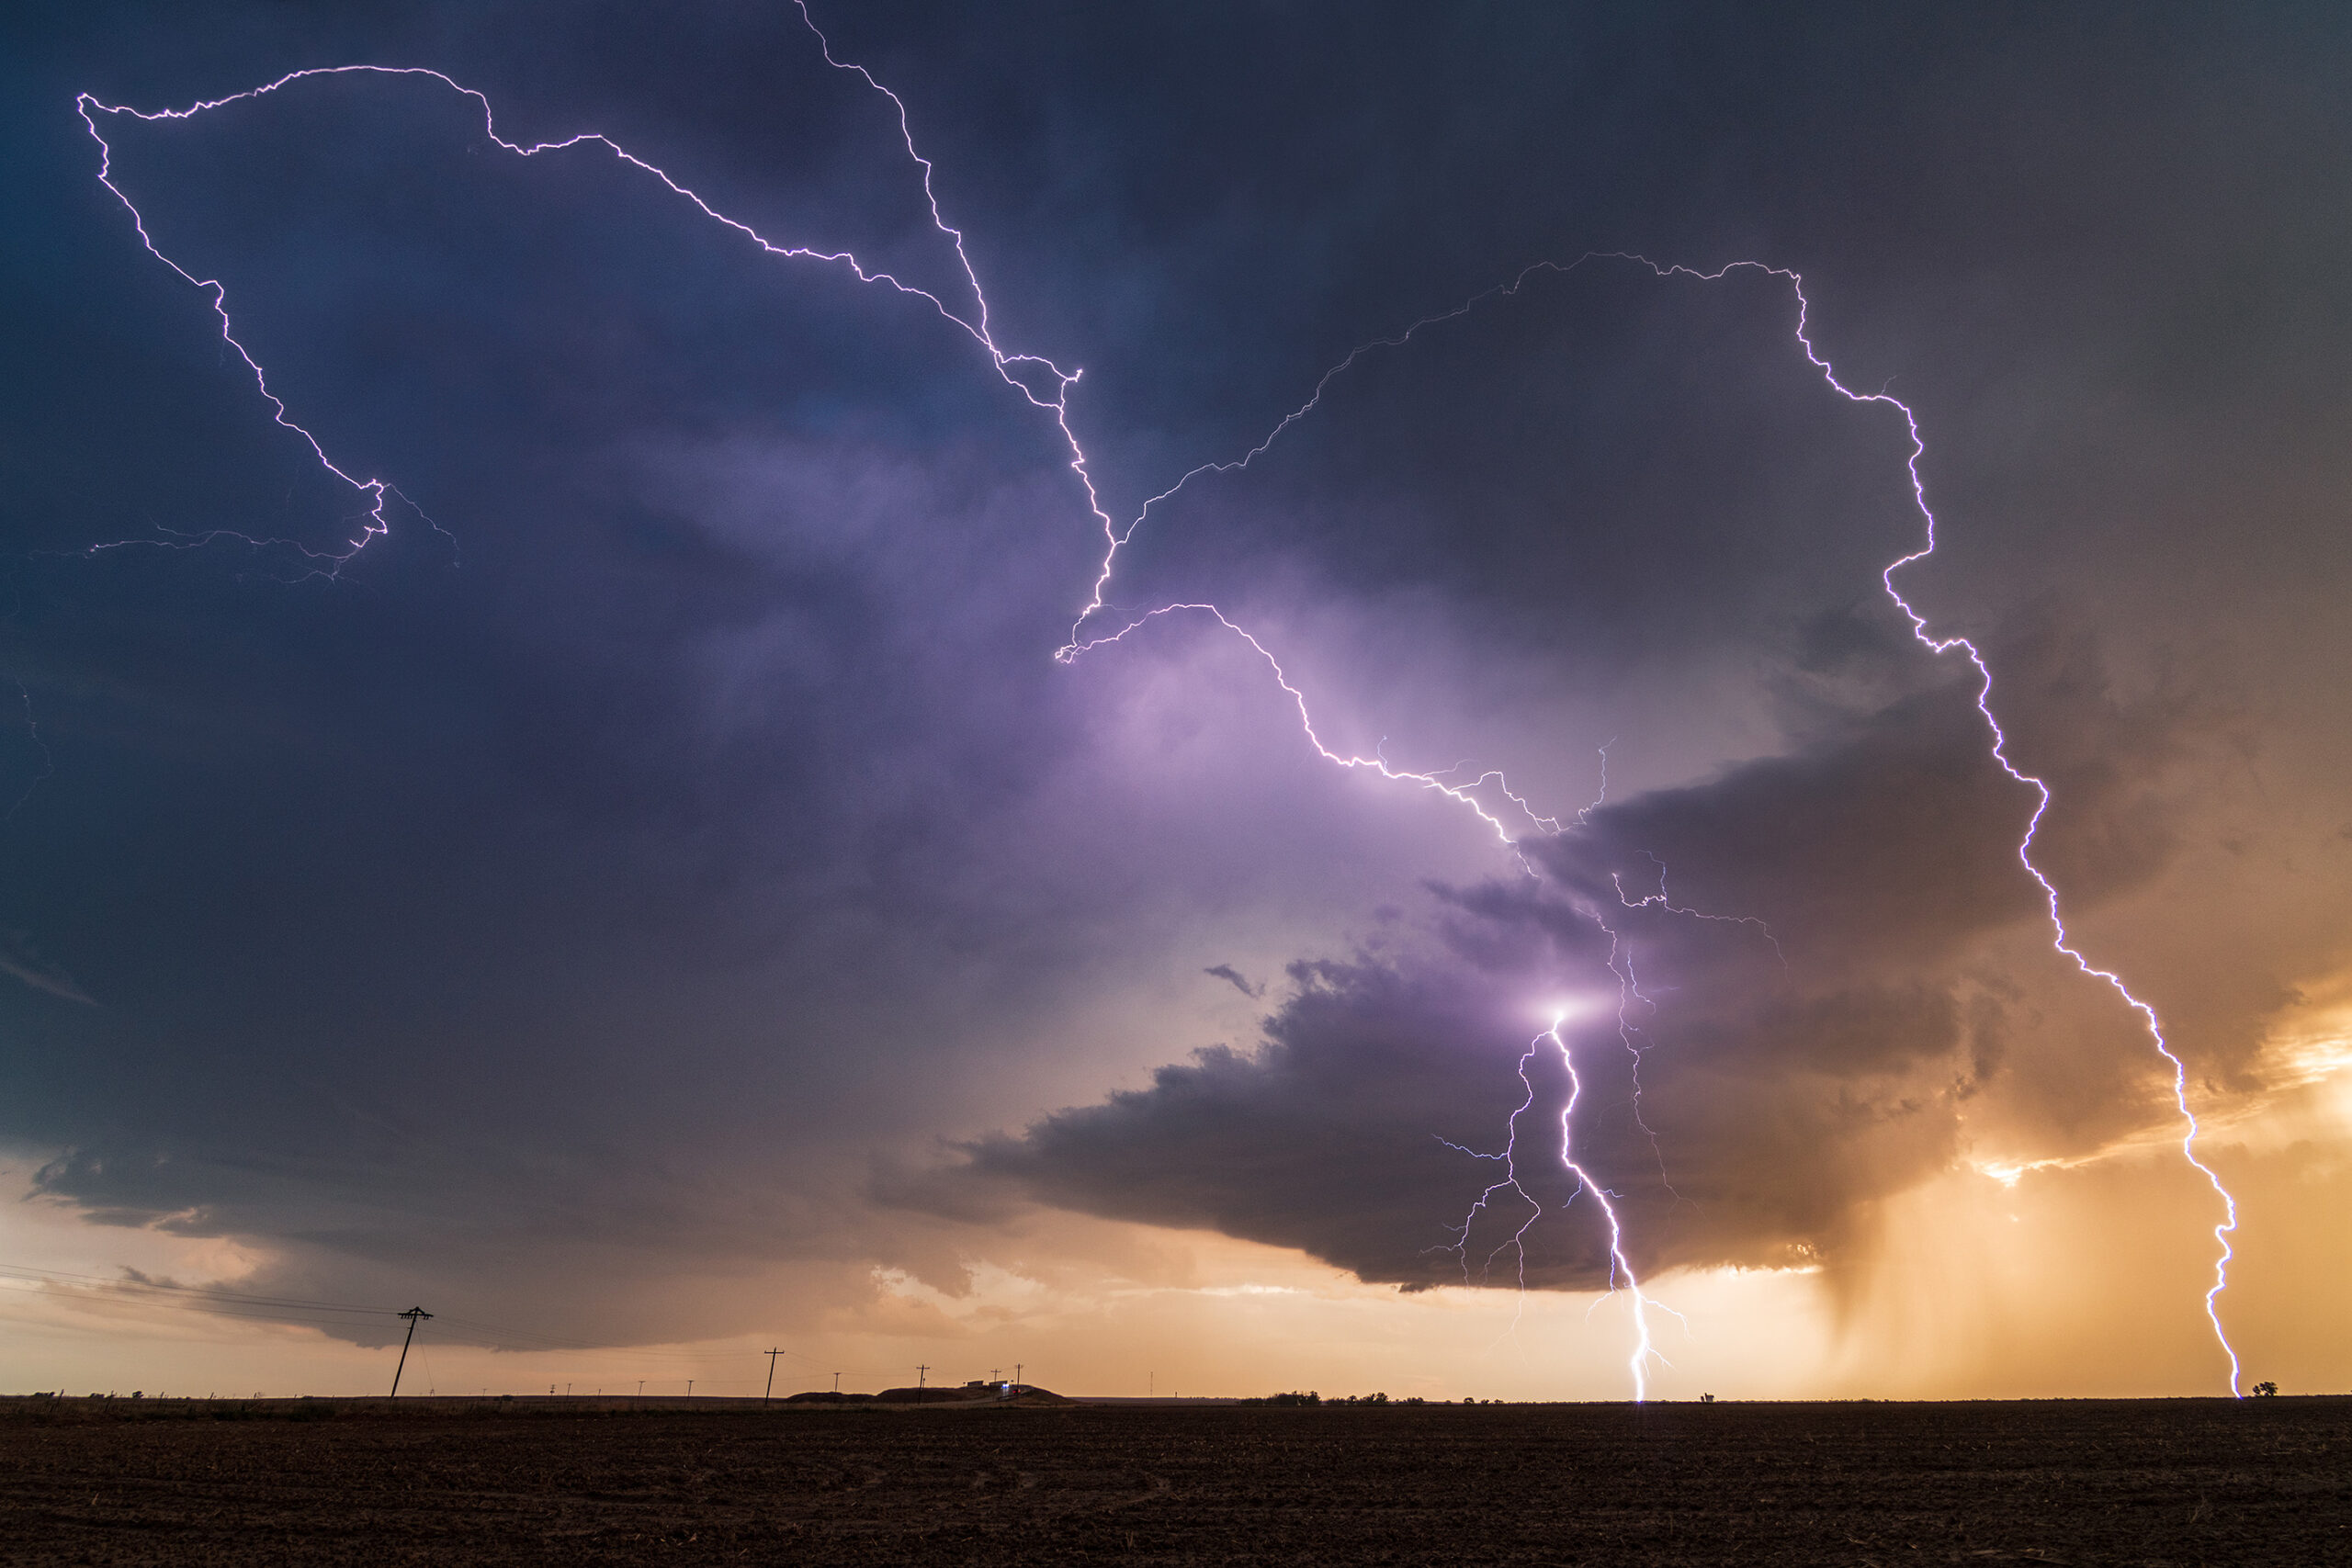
{"x":2060,"y":939}
{"x":1620,"y":963}
{"x":1619,"y":1266}
{"x":1013,"y":368}
{"x":1017,"y":369}
{"x":1463,"y":794}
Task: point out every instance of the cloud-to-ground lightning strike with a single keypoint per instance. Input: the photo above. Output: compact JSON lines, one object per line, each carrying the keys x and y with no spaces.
{"x":1022,"y":371}
{"x":1645,"y":1350}
{"x":2062,"y":939}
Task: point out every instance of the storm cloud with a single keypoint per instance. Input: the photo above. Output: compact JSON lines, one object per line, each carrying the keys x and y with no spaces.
{"x":1783,"y":990}
{"x":679,"y":815}
{"x":1802,"y":1035}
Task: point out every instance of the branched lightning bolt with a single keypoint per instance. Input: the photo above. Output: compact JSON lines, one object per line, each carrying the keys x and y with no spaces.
{"x":1629,"y":985}
{"x":1021,"y":372}
{"x":1463,"y":794}
{"x":2060,"y":939}
{"x":1621,"y":1267}
{"x":1662,"y":899}
{"x":1013,"y":367}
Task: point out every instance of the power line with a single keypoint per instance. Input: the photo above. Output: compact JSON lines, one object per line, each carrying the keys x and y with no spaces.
{"x":101,"y":1291}
{"x":531,"y":1339}
{"x":182,"y":1294}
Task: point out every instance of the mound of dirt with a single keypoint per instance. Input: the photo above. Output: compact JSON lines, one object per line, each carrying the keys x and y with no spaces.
{"x":1029,"y":1393}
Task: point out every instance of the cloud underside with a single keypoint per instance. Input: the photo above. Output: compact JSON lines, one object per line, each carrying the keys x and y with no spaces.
{"x":1804,"y":1023}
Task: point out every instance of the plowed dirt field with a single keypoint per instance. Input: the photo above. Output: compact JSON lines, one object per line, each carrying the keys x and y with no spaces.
{"x":2179,"y":1482}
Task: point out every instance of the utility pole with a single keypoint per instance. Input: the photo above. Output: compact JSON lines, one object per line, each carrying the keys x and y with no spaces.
{"x":837,"y":1383}
{"x":690,"y":1388}
{"x":772,"y":1355}
{"x":921,"y":1373}
{"x":1016,"y":1377}
{"x":414,"y":1315}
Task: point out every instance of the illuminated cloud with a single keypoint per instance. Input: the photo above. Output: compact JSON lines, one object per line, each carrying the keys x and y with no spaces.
{"x":1785,"y":1087}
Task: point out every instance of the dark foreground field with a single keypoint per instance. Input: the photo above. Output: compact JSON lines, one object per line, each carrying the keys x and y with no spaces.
{"x":440,"y":1482}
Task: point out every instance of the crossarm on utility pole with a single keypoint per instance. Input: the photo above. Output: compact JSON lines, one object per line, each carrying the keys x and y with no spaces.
{"x":415,"y":1316}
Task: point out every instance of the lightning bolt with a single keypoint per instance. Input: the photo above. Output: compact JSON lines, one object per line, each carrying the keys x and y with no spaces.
{"x":1028,"y":374}
{"x":1015,"y":368}
{"x":1621,"y":1267}
{"x":1620,"y":963}
{"x":1461,"y":795}
{"x":2062,"y":939}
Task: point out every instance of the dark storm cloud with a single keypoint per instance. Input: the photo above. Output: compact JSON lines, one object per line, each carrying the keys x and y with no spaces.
{"x":1800,"y":1061}
{"x":604,"y":897}
{"x":1325,"y":1139}
{"x":1893,"y":842}
{"x":474,"y":874}
{"x":1601,"y":468}
{"x":1809,"y":1013}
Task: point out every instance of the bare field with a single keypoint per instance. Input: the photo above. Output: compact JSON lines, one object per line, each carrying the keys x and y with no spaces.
{"x":2153,"y":1482}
